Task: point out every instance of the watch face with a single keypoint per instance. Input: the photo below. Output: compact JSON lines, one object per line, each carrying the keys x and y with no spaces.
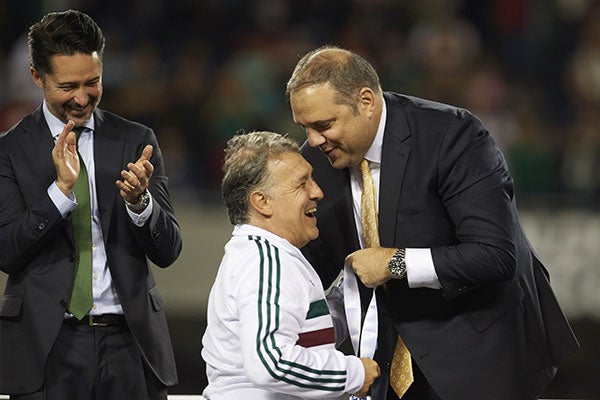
{"x":397,"y":265}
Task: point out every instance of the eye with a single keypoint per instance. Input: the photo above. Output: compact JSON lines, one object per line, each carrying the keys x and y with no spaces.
{"x":93,"y":83}
{"x":323,"y":127}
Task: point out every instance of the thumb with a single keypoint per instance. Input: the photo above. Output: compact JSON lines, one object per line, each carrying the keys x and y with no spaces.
{"x":147,"y":152}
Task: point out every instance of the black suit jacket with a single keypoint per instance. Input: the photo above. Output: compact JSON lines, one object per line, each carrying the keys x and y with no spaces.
{"x":494,"y":330}
{"x":37,"y":250}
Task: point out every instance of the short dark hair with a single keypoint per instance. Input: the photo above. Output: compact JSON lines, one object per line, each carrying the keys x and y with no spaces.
{"x":345,"y":71}
{"x":246,"y":168}
{"x":65,"y":33}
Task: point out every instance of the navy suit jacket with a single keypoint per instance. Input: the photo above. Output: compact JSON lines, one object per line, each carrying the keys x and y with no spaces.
{"x":494,"y":330}
{"x":37,"y":249}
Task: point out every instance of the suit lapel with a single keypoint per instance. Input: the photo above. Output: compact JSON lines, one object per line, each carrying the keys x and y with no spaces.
{"x":108,"y":155}
{"x":394,"y":156}
{"x":37,"y":144}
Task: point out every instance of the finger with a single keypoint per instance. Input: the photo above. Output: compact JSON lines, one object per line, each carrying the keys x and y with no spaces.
{"x":148,"y":168}
{"x":61,"y":141}
{"x":68,"y":128}
{"x":147,"y":152}
{"x":138,"y":171}
{"x":130,"y":179}
{"x":126,"y":187}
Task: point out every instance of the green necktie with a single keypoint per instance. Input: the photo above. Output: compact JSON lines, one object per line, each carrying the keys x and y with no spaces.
{"x":81,"y":217}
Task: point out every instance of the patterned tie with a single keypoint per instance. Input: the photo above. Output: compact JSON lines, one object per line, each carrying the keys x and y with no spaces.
{"x":81,"y":217}
{"x":401,"y":375}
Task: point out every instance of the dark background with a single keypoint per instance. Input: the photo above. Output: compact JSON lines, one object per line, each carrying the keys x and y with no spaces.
{"x":200,"y":71}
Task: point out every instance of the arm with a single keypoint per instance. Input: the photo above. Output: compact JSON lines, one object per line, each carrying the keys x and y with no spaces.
{"x":26,"y":222}
{"x":272,"y":317}
{"x":158,"y":235}
{"x":475,"y":190}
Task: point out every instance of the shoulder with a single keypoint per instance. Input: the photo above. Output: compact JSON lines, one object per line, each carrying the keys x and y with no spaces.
{"x":118,"y":121}
{"x":418,"y":108}
{"x":26,"y":125}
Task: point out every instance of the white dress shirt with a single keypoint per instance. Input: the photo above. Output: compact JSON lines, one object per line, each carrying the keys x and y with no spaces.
{"x":420,"y":271}
{"x":105,"y":299}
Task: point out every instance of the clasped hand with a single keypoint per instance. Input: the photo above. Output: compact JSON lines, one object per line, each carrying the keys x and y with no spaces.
{"x":371,"y":265}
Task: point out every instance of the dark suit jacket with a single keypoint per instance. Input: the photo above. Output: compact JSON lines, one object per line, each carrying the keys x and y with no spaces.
{"x":495,"y":329}
{"x":36,"y":247}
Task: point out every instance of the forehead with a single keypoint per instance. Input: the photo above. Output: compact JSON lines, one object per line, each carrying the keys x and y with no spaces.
{"x":76,"y":66}
{"x":313,"y":103}
{"x":290,"y":167}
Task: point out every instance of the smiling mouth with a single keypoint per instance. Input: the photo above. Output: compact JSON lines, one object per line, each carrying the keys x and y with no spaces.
{"x":311,"y":212}
{"x":328,"y":150}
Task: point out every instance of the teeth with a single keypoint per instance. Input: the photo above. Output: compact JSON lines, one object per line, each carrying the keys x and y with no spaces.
{"x":311,"y":212}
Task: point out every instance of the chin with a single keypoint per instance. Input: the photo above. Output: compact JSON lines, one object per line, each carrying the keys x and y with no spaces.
{"x":337,"y":164}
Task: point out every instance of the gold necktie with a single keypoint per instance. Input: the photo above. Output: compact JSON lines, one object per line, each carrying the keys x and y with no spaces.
{"x":401,"y":375}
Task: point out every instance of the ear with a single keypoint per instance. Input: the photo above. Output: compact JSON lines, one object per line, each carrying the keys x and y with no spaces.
{"x":37,"y":79}
{"x":260,"y":203}
{"x":366,"y":101}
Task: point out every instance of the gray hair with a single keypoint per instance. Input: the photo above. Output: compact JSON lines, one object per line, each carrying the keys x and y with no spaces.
{"x":345,"y":71}
{"x":245,"y":168}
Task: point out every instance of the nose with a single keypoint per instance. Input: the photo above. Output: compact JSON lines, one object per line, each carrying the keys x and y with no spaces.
{"x":81,"y":96}
{"x":315,"y":191}
{"x":315,"y":139}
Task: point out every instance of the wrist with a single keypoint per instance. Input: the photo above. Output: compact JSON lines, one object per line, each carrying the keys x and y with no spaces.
{"x":140,"y":203}
{"x":64,"y":188}
{"x":397,"y":264}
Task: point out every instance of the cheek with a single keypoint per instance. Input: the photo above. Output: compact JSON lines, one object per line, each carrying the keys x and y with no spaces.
{"x":95,"y":92}
{"x":57,"y":100}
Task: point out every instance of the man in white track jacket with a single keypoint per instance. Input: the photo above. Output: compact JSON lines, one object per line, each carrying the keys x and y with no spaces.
{"x":270,"y":334}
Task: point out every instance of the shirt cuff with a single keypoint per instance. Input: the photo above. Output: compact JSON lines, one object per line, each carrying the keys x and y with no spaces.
{"x":63,"y":203}
{"x":420,"y":271}
{"x":141,"y":218}
{"x":355,"y":372}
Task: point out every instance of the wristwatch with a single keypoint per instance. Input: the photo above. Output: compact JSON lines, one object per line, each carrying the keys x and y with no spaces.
{"x":141,"y":204}
{"x":397,"y":265}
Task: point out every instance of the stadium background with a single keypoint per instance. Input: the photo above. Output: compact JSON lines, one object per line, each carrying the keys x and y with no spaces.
{"x":200,"y":71}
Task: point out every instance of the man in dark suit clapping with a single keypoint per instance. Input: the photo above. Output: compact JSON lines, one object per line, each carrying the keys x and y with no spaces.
{"x":81,"y":316}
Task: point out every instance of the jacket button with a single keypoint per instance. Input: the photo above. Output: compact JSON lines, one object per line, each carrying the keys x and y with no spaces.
{"x":41,"y":226}
{"x":63,"y":303}
{"x":71,"y":257}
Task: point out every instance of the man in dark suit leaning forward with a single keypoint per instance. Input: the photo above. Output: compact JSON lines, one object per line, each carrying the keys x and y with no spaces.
{"x":460,"y":293}
{"x":81,"y":316}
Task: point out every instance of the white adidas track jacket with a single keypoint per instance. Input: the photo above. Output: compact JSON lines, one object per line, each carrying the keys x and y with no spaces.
{"x":269,"y":333}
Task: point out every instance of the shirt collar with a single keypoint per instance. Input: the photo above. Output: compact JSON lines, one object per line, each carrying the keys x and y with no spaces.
{"x":56,"y":125}
{"x":373,"y":154}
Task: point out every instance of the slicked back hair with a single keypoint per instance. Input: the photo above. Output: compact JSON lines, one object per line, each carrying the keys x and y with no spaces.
{"x":62,"y":33}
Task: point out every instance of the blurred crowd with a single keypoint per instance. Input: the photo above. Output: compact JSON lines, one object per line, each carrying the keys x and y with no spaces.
{"x":199,"y":71}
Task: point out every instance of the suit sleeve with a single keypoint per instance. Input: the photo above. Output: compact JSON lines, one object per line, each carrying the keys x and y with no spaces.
{"x":24,"y":229}
{"x":160,"y":237}
{"x":477,"y":192}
